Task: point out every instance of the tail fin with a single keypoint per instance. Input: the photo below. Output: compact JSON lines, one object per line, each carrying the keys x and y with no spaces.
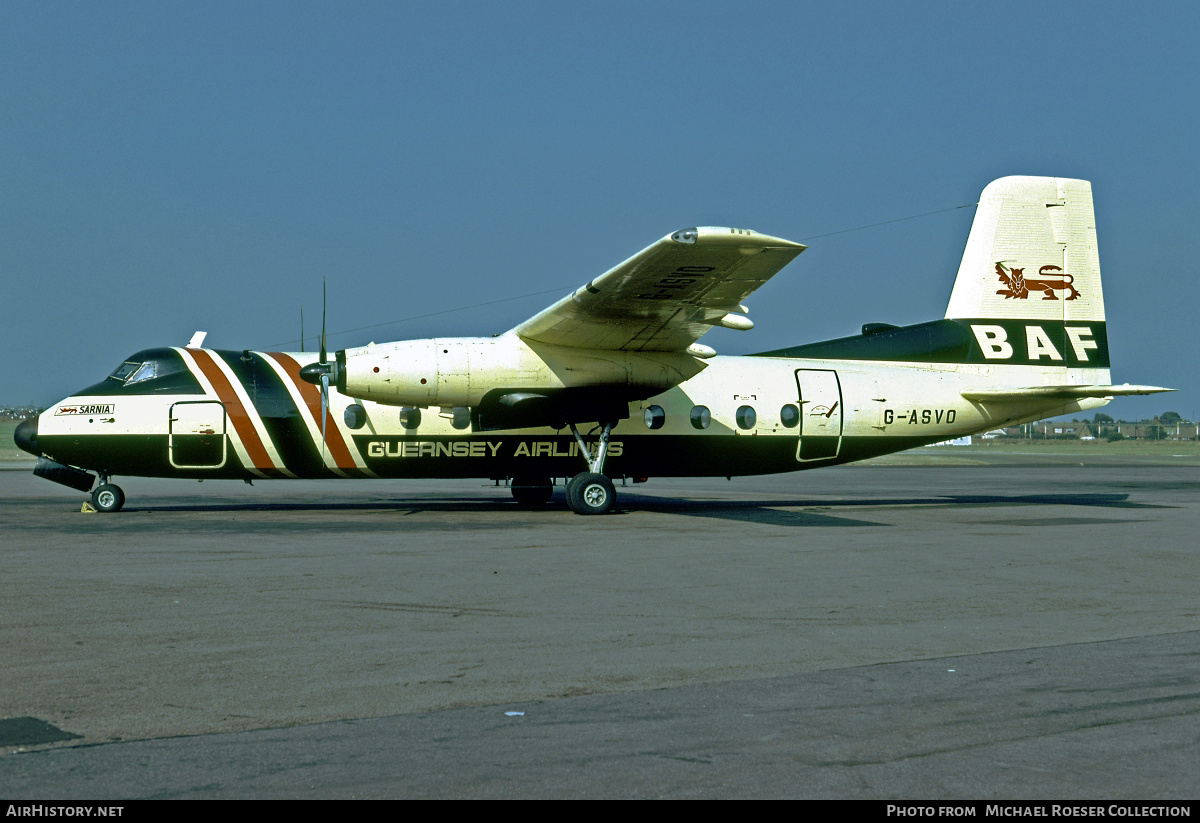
{"x":1026,"y":304}
{"x":1029,"y":282}
{"x":1029,"y":290}
{"x":1031,"y":254}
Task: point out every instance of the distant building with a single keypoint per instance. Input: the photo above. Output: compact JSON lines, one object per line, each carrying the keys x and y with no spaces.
{"x":1089,"y":430}
{"x":958,"y":441}
{"x":1142,"y":429}
{"x":19,"y":412}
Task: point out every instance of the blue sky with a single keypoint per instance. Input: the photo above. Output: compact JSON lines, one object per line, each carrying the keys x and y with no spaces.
{"x":169,"y":167}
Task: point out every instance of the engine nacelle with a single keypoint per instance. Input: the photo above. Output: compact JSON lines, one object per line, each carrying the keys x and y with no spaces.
{"x":460,"y":371}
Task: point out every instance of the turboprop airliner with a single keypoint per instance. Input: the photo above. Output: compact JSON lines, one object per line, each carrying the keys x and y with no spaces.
{"x":611,"y":382}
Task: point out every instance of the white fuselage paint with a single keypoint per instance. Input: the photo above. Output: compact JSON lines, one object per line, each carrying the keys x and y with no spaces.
{"x":877,"y":400}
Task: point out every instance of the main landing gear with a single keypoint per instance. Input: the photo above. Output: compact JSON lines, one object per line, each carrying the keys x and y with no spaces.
{"x":107,"y":497}
{"x":589,"y":492}
{"x":592,"y":492}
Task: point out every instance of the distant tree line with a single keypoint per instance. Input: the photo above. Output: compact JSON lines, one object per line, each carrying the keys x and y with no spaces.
{"x":1103,"y":427}
{"x":1157,"y":430}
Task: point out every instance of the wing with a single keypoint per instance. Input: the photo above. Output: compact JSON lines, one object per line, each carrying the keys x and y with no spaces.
{"x":666,"y":296}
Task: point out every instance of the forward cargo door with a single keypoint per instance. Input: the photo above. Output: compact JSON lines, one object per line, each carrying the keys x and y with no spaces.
{"x":196,"y":435}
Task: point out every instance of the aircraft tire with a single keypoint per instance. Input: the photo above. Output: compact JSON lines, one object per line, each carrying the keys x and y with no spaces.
{"x":591,"y":493}
{"x":108,"y":498}
{"x":532,"y":491}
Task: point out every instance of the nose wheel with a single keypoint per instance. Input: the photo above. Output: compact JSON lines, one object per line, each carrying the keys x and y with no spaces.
{"x":108,"y":498}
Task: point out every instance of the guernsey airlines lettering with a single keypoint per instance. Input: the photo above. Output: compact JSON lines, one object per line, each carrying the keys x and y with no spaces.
{"x":479,"y":448}
{"x":611,"y":381}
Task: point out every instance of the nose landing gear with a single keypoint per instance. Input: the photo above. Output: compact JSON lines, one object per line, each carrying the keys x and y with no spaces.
{"x":107,"y":497}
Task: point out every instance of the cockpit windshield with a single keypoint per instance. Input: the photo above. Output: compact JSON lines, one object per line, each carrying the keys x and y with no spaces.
{"x":144,"y":372}
{"x":147,"y":365}
{"x":150,"y":371}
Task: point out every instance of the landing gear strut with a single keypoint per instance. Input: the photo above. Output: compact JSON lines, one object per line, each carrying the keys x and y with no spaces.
{"x":592,"y":492}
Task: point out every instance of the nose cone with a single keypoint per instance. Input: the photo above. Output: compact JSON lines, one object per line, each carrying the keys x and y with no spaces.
{"x":25,"y":436}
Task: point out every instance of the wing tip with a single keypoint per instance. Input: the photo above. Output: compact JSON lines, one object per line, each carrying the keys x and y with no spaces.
{"x":726,"y":235}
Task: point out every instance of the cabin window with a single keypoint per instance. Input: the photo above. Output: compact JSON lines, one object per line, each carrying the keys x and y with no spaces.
{"x":789,"y":416}
{"x":410,"y":418}
{"x":655,"y":417}
{"x":700,"y":417}
{"x":355,"y":416}
{"x":746,"y":417}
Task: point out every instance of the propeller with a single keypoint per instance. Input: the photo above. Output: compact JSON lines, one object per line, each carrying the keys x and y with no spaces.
{"x":320,"y":372}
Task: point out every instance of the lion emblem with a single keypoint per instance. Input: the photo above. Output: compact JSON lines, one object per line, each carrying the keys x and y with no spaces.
{"x":1049,"y":280}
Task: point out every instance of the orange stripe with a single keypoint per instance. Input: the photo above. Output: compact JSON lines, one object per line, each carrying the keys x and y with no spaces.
{"x":312,"y":400}
{"x":242,"y":423}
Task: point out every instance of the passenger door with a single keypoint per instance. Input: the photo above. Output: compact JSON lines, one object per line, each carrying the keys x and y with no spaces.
{"x":820,"y":414}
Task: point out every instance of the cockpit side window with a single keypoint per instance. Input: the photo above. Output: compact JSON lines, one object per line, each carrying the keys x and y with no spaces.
{"x":124,"y":370}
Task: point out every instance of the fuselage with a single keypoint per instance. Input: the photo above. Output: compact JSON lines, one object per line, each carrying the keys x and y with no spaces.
{"x":203,"y":413}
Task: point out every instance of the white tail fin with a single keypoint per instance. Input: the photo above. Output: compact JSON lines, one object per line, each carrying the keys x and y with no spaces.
{"x":1031,"y":254}
{"x":1028,"y":288}
{"x":1027,"y":307}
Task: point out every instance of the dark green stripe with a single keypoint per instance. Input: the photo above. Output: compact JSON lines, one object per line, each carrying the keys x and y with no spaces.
{"x":129,"y":455}
{"x":954,"y":341}
{"x":643,"y":455}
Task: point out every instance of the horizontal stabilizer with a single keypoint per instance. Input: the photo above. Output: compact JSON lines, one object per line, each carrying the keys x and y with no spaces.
{"x":1055,"y":392}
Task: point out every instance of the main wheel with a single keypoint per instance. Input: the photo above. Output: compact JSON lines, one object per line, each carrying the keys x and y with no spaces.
{"x":532,"y":491}
{"x":590,"y":493}
{"x":108,"y":498}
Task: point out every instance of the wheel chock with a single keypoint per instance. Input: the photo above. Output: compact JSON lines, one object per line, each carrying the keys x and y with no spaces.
{"x":87,"y":508}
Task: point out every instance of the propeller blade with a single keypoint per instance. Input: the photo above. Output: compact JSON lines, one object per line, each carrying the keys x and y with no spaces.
{"x":320,"y":373}
{"x":322,"y":360}
{"x":324,"y":410}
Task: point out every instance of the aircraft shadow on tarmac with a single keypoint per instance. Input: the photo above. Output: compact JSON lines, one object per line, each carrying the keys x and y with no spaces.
{"x":823,"y":513}
{"x":795,"y":512}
